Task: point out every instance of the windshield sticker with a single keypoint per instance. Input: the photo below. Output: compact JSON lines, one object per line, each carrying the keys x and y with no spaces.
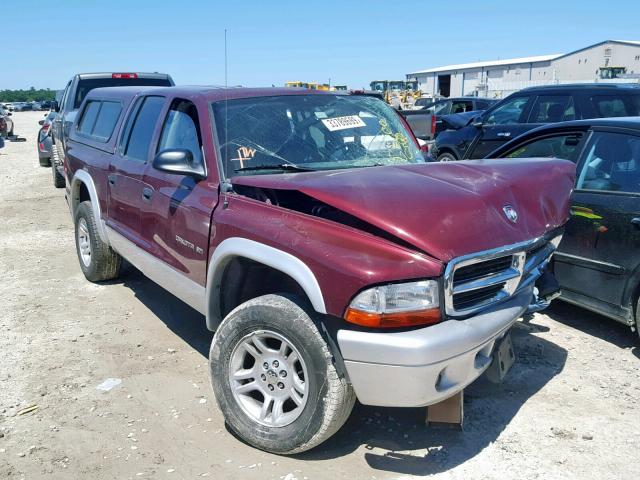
{"x":343,"y":123}
{"x":245,"y":154}
{"x":320,"y":115}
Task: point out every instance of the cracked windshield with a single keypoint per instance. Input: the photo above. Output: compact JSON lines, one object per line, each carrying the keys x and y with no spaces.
{"x":310,"y":132}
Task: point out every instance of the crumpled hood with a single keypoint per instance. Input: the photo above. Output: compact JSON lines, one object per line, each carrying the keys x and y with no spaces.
{"x":444,"y":209}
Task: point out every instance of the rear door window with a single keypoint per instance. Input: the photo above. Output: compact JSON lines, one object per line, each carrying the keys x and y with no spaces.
{"x":618,"y":105}
{"x":99,"y":119}
{"x":552,"y":108}
{"x":461,"y":106}
{"x":106,"y":121}
{"x":138,"y":135}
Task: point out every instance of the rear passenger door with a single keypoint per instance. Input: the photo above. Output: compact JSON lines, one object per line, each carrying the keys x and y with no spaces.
{"x":126,"y":171}
{"x":176,"y":219}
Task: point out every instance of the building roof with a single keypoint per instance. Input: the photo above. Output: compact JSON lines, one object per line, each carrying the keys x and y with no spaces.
{"x":491,"y":63}
{"x":513,"y":61}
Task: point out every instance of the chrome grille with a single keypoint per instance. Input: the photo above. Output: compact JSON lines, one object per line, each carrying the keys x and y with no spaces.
{"x":474,"y":282}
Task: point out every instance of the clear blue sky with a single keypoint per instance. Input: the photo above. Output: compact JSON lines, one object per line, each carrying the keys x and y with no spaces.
{"x":270,"y":41}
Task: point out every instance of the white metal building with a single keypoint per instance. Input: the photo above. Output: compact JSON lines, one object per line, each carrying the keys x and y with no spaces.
{"x":610,"y":61}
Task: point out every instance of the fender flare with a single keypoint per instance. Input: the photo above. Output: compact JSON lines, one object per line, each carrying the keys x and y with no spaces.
{"x":83,"y":177}
{"x":235,"y":247}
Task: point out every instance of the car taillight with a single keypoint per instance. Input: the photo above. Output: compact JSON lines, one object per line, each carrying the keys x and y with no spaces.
{"x":41,"y":146}
{"x":124,"y":75}
{"x":45,"y":127}
{"x":433,"y":124}
{"x":3,"y":124}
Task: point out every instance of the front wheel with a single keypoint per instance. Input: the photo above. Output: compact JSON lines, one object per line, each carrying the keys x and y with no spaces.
{"x":446,"y":157}
{"x":274,"y":378}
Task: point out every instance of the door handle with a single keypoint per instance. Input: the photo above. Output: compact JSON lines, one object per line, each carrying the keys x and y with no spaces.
{"x":147,"y":193}
{"x":636,"y":222}
{"x":112,"y":179}
{"x":503,"y":134}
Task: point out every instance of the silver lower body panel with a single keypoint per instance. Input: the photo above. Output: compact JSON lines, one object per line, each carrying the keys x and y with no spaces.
{"x":425,"y":366}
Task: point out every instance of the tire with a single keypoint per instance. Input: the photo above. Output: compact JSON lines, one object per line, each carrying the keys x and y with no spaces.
{"x":102,"y":262}
{"x":327,"y":400}
{"x":447,"y":157}
{"x":58,"y":180}
{"x":637,"y":316}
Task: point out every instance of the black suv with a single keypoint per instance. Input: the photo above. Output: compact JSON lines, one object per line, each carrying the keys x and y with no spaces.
{"x":532,"y":107}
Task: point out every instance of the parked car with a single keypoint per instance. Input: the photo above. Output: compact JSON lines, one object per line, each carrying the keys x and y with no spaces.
{"x":426,"y":121}
{"x":36,"y":106}
{"x":21,"y":107}
{"x":598,"y":261}
{"x":532,"y":107}
{"x":6,"y":124}
{"x":75,"y":92}
{"x":45,"y":143}
{"x":277,"y":214}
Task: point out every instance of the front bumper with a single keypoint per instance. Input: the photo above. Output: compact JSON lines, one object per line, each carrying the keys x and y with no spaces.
{"x":425,"y":366}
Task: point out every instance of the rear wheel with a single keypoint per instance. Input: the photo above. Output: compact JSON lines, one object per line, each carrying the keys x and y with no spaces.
{"x":637,"y":315}
{"x":58,"y":180}
{"x":98,"y":260}
{"x":274,"y":378}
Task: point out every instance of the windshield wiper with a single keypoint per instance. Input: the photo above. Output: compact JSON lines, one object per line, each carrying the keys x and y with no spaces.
{"x":283,"y":166}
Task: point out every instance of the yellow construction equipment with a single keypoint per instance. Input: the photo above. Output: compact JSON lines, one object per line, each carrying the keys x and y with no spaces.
{"x":399,"y":94}
{"x":309,"y":85}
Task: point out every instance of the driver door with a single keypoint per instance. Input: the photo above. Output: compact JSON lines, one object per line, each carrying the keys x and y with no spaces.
{"x":176,"y":210}
{"x":500,"y":125}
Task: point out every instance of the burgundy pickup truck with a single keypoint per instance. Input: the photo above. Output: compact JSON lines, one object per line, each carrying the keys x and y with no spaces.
{"x":331,"y":261}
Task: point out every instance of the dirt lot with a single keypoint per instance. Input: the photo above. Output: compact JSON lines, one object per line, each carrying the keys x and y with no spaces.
{"x":569,"y":408}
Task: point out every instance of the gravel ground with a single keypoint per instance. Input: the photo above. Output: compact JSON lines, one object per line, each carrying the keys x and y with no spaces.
{"x":568,"y":409}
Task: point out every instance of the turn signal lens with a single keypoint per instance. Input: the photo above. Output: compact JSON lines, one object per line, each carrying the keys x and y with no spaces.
{"x":393,"y":320}
{"x":396,"y":305}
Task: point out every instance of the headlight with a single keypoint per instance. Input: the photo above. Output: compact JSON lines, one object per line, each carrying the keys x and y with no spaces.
{"x":396,"y":305}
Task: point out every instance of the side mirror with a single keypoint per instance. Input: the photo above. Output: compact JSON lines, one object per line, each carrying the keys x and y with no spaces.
{"x":179,"y":161}
{"x":477,"y":122}
{"x":9,"y":114}
{"x":41,"y":122}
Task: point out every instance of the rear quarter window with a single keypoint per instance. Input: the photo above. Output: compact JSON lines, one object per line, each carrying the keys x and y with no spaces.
{"x":89,"y":116}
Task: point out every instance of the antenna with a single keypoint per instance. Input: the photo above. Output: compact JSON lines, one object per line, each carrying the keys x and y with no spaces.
{"x":226,"y":83}
{"x":226,"y":185}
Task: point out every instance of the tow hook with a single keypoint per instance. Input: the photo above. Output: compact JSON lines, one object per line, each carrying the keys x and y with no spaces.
{"x":545,"y":290}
